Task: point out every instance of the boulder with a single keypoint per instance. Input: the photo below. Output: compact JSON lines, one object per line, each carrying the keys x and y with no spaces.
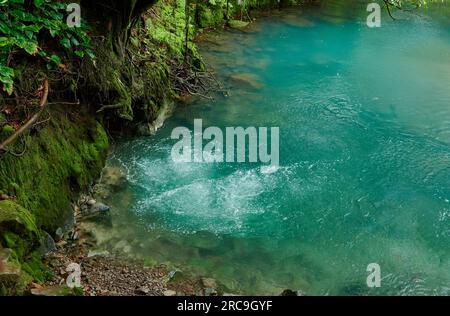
{"x":13,"y":281}
{"x":238,"y":24}
{"x":47,"y":245}
{"x":10,"y":271}
{"x":16,"y":219}
{"x":96,"y":211}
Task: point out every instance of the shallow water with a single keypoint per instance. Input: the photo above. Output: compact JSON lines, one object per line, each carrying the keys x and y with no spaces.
{"x":364,"y":117}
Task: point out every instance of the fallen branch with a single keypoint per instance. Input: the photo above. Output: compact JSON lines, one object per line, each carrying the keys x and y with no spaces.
{"x":30,"y":122}
{"x":110,"y":107}
{"x":64,"y":103}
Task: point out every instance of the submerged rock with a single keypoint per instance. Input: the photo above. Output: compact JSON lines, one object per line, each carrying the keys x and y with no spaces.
{"x":113,"y":179}
{"x":247,"y":80}
{"x":238,"y":24}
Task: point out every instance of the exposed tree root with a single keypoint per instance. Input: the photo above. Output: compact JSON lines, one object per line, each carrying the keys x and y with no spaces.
{"x":30,"y":122}
{"x":188,"y":81}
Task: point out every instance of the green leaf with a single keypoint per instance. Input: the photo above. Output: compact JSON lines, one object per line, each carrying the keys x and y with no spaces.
{"x":55,"y":59}
{"x":38,"y":3}
{"x":66,"y":42}
{"x":79,"y":53}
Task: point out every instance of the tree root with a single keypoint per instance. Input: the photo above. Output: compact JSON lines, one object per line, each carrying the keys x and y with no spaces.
{"x":188,"y":81}
{"x":30,"y":122}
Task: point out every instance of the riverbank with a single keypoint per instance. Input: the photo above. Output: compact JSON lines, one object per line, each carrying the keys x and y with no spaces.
{"x":62,"y":154}
{"x":102,"y":273}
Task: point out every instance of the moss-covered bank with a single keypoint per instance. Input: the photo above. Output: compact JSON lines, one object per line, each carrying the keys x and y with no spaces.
{"x":59,"y":161}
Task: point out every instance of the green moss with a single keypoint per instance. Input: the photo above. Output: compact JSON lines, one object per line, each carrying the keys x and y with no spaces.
{"x":14,"y":214}
{"x":60,"y":160}
{"x":210,"y":15}
{"x":238,"y":24}
{"x":6,"y":131}
{"x":78,"y":291}
{"x":34,"y":267}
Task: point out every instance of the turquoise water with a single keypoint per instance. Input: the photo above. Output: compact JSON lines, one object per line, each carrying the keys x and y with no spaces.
{"x":364,"y":177}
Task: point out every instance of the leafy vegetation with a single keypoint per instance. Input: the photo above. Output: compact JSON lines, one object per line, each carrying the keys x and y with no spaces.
{"x":26,"y":26}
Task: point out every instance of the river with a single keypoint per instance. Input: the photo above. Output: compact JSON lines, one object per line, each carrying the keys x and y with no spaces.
{"x":364,"y":175}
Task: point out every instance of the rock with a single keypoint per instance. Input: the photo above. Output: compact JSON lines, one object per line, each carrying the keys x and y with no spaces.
{"x":96,"y":211}
{"x":59,"y":234}
{"x":47,"y":246}
{"x":210,"y":287}
{"x":56,"y":290}
{"x":12,"y":280}
{"x":18,"y":220}
{"x":175,"y":276}
{"x":98,"y":253}
{"x":289,"y":293}
{"x":143,"y":290}
{"x":238,"y":24}
{"x":123,"y":246}
{"x":209,"y":283}
{"x":247,"y":80}
{"x":170,"y":293}
{"x":146,"y":129}
{"x":61,"y":244}
{"x":210,"y":292}
{"x":36,"y":286}
{"x":114,"y":178}
{"x":9,"y":272}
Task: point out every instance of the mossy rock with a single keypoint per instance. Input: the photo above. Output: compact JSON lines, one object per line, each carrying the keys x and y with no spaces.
{"x":14,"y":219}
{"x":237,"y":24}
{"x":13,"y":281}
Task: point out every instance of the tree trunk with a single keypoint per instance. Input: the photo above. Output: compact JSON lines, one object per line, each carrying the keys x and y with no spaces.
{"x":117,"y":17}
